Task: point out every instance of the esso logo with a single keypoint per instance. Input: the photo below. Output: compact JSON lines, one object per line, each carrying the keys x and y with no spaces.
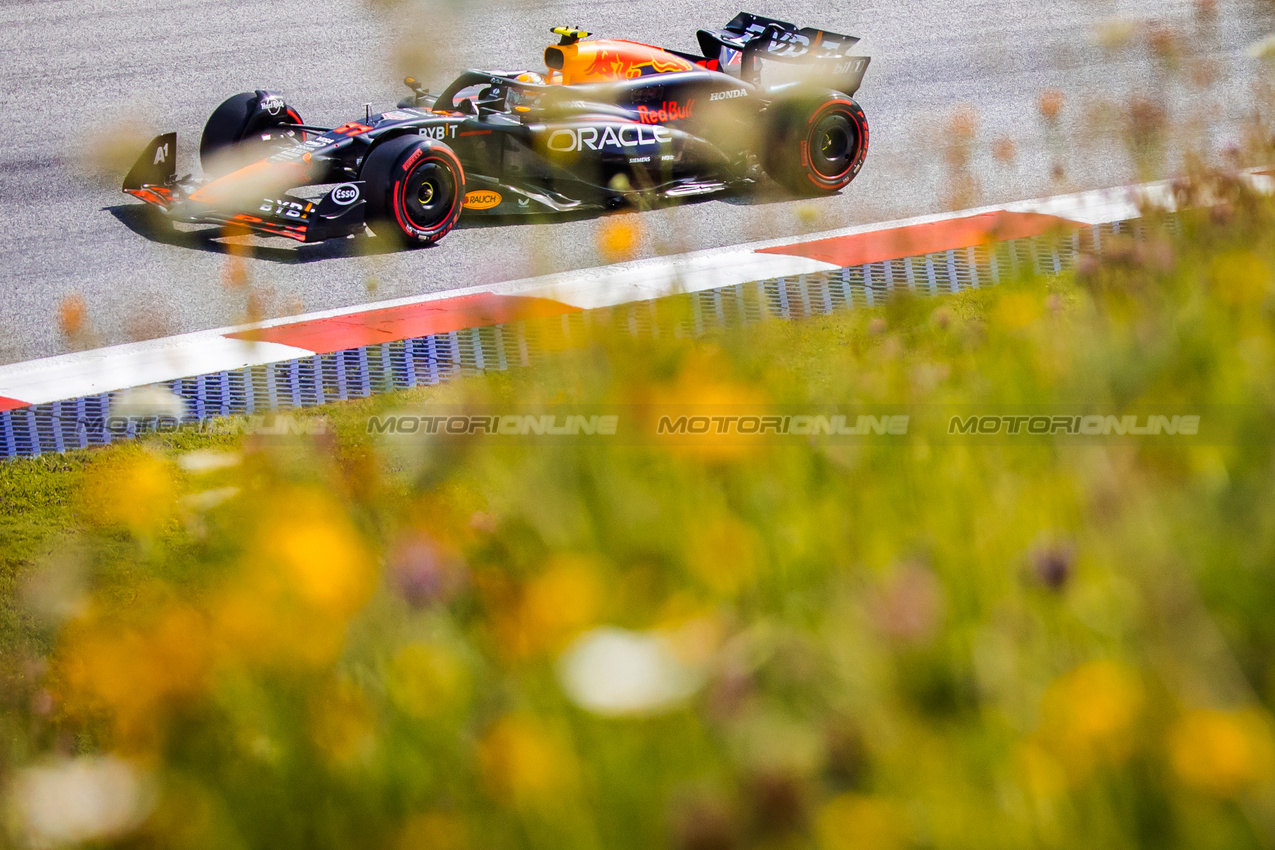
{"x":484,"y":199}
{"x":345,"y":194}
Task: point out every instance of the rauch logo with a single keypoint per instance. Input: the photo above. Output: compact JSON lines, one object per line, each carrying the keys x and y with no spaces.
{"x":482,"y":200}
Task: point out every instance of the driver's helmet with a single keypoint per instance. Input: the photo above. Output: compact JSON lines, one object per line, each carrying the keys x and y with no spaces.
{"x":531,"y":77}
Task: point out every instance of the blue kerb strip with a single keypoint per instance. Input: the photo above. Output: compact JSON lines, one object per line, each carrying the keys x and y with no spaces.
{"x":361,"y":372}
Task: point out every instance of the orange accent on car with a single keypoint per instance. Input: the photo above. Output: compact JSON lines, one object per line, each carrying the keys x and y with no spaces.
{"x":354,"y":128}
{"x":152,"y":195}
{"x":614,"y":59}
{"x":251,"y":182}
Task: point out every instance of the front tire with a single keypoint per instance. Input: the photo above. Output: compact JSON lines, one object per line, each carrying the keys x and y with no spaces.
{"x":415,"y":190}
{"x":250,"y":124}
{"x":816,"y":145}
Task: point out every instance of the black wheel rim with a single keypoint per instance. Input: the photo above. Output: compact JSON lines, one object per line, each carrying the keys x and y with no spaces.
{"x":429,"y":195}
{"x":832,"y":146}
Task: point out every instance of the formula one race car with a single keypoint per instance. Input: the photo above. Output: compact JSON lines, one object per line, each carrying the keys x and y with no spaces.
{"x":611,"y":123}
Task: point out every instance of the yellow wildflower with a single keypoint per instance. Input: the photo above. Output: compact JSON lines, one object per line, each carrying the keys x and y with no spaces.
{"x":426,"y":680}
{"x":555,"y":607}
{"x":725,"y":555}
{"x":1089,"y":716}
{"x":130,"y":487}
{"x":525,"y":762}
{"x":1222,"y":752}
{"x":435,"y":831}
{"x":859,"y":822}
{"x":342,"y":723}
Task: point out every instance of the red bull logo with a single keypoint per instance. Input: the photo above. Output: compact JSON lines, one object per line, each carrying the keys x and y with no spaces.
{"x":668,"y":111}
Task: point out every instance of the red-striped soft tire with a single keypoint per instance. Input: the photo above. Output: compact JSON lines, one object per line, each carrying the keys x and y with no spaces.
{"x":816,"y":144}
{"x":415,"y":190}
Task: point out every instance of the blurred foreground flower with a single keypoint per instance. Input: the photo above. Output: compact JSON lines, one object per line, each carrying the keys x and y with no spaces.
{"x":526,"y":762}
{"x":556,"y":606}
{"x":618,"y":238}
{"x":206,"y":460}
{"x":1090,"y":715}
{"x":1052,"y":563}
{"x":1050,"y":104}
{"x":909,"y":606}
{"x":436,"y":831}
{"x":153,"y":402}
{"x":106,"y":152}
{"x":725,"y":555}
{"x":1264,"y":49}
{"x":858,"y":822}
{"x":73,"y":319}
{"x":425,"y":572}
{"x":428,"y":681}
{"x":306,"y":574}
{"x":79,"y":800}
{"x":135,"y":675}
{"x":1222,"y":752}
{"x":615,"y":671}
{"x":342,"y":723}
{"x":132,"y":488}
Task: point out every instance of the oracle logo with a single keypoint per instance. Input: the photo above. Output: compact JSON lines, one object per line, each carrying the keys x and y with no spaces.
{"x":595,"y":138}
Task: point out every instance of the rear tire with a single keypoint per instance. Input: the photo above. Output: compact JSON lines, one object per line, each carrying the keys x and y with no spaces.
{"x":415,"y":190}
{"x":816,"y":145}
{"x":241,"y":122}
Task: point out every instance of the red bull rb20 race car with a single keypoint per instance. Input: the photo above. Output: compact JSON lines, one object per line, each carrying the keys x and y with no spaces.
{"x":609,"y":123}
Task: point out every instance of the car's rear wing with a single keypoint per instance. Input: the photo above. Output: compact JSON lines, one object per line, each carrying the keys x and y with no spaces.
{"x":749,"y":40}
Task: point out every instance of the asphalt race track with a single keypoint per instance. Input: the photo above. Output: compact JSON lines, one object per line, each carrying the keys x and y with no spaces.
{"x":76,"y":71}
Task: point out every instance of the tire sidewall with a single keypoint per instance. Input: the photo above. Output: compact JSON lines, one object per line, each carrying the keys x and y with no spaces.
{"x":792,"y":126}
{"x":847,"y":107}
{"x":386,"y":173}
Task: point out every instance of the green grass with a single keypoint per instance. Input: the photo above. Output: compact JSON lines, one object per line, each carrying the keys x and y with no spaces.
{"x":919,"y":641}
